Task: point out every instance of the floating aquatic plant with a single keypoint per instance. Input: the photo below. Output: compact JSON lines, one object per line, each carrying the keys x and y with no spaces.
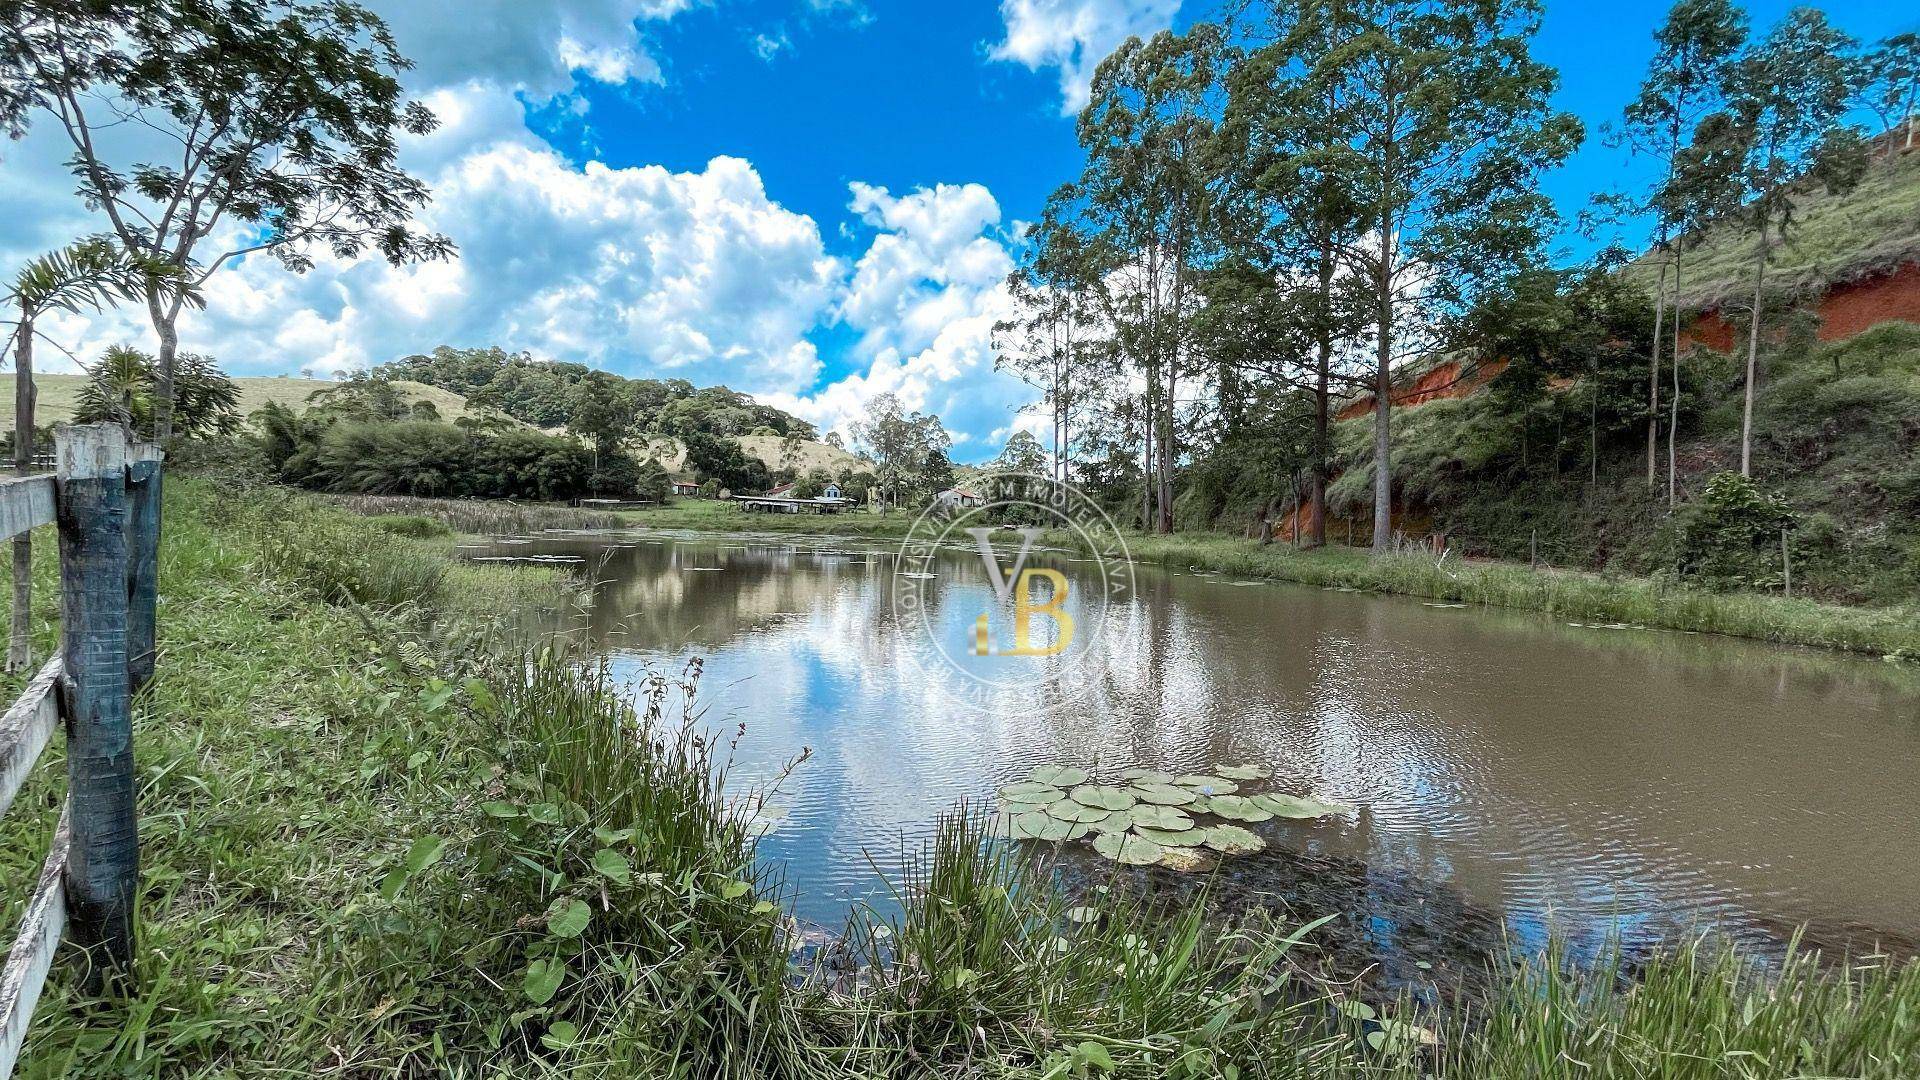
{"x":1207,"y":785}
{"x":1233,"y":840}
{"x":1237,"y":807}
{"x":1031,"y":791}
{"x":1290,"y":806}
{"x":1058,"y":776}
{"x":1069,"y":810}
{"x":1150,"y":818}
{"x":1188,"y":860}
{"x":1172,"y":838}
{"x":1106,"y":798}
{"x":1127,"y":849}
{"x":1163,"y":794}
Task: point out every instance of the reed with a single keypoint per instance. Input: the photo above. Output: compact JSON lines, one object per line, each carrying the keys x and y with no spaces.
{"x":482,"y":517}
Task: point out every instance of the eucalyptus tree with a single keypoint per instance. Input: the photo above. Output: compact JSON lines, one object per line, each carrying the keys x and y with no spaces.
{"x":908,"y":449}
{"x":1788,"y":98}
{"x":1685,"y":82}
{"x":1148,"y":133}
{"x":1892,"y":87}
{"x":1045,"y":342}
{"x":87,"y":275}
{"x":1444,"y":124}
{"x":211,"y":130}
{"x":1286,"y":217}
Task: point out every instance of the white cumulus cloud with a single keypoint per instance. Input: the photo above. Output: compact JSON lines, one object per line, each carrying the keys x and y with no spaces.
{"x":1075,"y":35}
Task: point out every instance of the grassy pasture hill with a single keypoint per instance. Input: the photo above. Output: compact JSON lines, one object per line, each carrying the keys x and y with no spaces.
{"x":1854,"y":259}
{"x":60,"y":395}
{"x":771,"y":450}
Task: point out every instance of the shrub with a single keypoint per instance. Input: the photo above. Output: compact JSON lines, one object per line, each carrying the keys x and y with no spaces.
{"x":1730,"y":536}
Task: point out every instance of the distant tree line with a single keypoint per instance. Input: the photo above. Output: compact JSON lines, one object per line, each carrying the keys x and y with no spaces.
{"x":551,"y":394}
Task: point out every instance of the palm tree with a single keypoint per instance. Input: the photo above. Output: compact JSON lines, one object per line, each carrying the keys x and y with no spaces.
{"x":86,"y":275}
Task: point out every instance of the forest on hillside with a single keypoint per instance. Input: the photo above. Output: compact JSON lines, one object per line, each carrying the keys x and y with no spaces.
{"x":1295,"y":224}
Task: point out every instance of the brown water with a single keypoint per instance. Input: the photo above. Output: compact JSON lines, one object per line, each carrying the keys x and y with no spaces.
{"x":1592,"y":780}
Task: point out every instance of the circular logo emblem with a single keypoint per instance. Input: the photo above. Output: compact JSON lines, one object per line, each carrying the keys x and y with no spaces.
{"x":1012,"y":586}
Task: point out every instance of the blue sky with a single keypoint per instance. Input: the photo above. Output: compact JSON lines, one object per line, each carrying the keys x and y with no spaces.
{"x":903,"y":99}
{"x":814,"y":201}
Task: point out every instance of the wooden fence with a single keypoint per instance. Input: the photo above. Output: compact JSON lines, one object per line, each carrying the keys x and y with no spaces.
{"x":105,"y":497}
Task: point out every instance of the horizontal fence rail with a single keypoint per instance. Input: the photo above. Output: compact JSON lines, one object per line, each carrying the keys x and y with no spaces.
{"x":105,"y":499}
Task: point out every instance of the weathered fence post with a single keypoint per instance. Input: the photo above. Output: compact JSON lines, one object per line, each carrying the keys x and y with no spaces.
{"x":143,"y":562}
{"x":103,"y":860}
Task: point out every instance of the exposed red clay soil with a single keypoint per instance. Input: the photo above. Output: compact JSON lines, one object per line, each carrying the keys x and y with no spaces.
{"x":1451,"y":379}
{"x":1844,"y":311}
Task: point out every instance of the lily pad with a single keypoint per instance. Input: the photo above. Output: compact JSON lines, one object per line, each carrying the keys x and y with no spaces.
{"x":1032,"y":791}
{"x":1106,"y":798}
{"x":1233,"y":840}
{"x":1128,"y":850}
{"x":1207,"y":785}
{"x":1244,"y":772}
{"x":1082,"y":914}
{"x":1068,"y":810}
{"x":1146,"y":776}
{"x":1062,"y":776}
{"x":1011,"y":807}
{"x":1188,"y":860}
{"x":1172,"y":837}
{"x":1114,"y":821}
{"x":1237,"y":808}
{"x":1147,"y":815}
{"x":1148,"y":791}
{"x":1290,"y":806}
{"x":1401,"y":1034}
{"x":1037,"y":826}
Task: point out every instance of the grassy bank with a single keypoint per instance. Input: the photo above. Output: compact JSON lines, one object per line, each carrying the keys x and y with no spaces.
{"x":1572,"y":594}
{"x":718,"y":515}
{"x":380,"y":841}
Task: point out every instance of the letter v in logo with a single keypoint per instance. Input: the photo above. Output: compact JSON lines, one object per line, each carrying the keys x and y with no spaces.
{"x":1003,"y":584}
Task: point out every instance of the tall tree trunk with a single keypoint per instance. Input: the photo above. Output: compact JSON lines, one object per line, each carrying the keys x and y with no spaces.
{"x":1146,"y":458}
{"x":1753,"y":356}
{"x":20,"y":637}
{"x":166,"y":327}
{"x":1673,"y":406}
{"x":1322,"y":405}
{"x":1166,"y":456}
{"x":1653,"y":378}
{"x":1383,"y":405}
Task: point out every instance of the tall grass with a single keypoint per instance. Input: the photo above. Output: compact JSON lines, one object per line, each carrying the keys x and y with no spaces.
{"x":1696,"y":1011}
{"x":483,"y":517}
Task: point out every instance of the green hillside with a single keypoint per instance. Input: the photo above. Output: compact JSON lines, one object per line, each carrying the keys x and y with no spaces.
{"x":771,"y":450}
{"x":1835,"y":239}
{"x":60,"y":394}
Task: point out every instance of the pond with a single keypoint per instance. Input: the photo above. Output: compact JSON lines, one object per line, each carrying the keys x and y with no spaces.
{"x":1586,"y":779}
